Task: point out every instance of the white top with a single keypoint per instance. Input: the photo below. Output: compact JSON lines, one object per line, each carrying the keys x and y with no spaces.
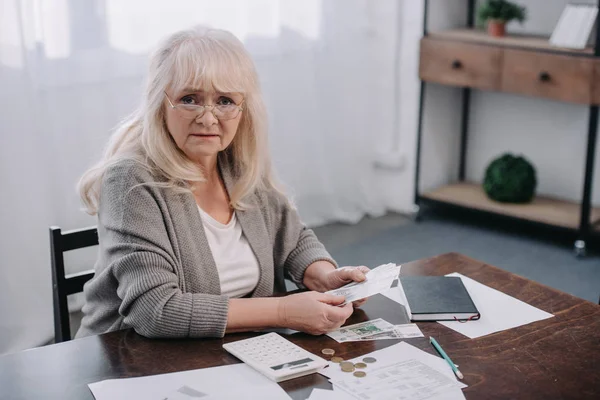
{"x":237,"y":265}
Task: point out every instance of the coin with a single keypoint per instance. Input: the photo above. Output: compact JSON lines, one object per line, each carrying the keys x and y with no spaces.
{"x":369,"y":360}
{"x":348,"y":368}
{"x":346,"y":364}
{"x":328,"y":352}
{"x":360,"y":365}
{"x":360,"y":374}
{"x":337,"y":359}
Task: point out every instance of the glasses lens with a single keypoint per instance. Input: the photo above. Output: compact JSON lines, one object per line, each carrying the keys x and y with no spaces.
{"x":222,"y":112}
{"x":226,"y":111}
{"x":189,"y":111}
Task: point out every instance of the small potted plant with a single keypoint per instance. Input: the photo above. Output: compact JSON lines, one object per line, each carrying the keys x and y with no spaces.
{"x":497,"y":13}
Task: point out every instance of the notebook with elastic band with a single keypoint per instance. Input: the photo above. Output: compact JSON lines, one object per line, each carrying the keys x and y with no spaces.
{"x":438,"y":298}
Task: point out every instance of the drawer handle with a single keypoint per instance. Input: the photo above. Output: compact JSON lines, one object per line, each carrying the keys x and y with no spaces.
{"x":456,"y":64}
{"x":544,"y":76}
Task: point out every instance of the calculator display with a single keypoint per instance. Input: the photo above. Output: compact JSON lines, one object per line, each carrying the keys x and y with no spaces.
{"x":292,"y":364}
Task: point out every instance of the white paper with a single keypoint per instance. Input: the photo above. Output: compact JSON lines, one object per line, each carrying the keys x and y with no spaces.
{"x":407,"y":379}
{"x":392,"y":354}
{"x":397,"y":294}
{"x":378,"y":280}
{"x":186,"y":393}
{"x":498,"y":311}
{"x":213,"y":382}
{"x":323,"y":394}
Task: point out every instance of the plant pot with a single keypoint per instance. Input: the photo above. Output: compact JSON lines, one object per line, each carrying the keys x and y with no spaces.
{"x":496,"y":28}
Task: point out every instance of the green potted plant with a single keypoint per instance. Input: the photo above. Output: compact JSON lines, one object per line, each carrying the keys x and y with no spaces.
{"x":497,"y":13}
{"x":510,"y":179}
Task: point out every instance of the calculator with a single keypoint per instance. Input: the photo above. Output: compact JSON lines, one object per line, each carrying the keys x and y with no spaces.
{"x":275,"y":357}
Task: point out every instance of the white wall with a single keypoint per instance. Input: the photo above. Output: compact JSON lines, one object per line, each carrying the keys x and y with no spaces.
{"x":551,"y":134}
{"x":397,"y":186}
{"x":328,"y":76}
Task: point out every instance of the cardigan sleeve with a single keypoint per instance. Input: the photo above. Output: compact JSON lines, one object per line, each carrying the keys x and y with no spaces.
{"x":295,"y":246}
{"x":142,"y":258}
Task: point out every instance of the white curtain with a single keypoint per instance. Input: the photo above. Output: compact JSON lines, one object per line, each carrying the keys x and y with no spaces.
{"x":71,"y":69}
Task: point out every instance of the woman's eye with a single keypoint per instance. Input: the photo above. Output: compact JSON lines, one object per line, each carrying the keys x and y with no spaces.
{"x":188,"y":100}
{"x":225,"y":101}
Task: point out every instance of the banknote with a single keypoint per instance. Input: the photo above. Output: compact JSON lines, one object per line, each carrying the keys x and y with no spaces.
{"x":377,"y":329}
{"x":378,"y":280}
{"x":357,"y":331}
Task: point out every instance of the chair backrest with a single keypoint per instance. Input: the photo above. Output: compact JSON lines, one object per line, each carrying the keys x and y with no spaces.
{"x":64,"y":285}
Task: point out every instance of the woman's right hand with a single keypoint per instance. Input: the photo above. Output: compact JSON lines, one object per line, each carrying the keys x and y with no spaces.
{"x":313,"y":312}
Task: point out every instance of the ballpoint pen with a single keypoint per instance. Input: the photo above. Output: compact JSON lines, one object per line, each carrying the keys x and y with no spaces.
{"x":445,"y":356}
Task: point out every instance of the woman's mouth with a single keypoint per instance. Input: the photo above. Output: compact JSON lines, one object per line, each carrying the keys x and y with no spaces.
{"x":205,"y":135}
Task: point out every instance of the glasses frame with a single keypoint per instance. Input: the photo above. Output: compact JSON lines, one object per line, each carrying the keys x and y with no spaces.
{"x":202,"y":109}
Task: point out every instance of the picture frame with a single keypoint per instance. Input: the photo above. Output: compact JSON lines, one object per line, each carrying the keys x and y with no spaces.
{"x":575,"y":26}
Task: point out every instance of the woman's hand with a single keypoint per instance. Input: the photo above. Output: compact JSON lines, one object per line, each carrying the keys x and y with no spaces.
{"x":321,"y":276}
{"x":342,"y":276}
{"x":313,"y":312}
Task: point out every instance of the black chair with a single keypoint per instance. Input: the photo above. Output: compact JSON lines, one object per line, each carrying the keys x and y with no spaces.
{"x":63,"y":286}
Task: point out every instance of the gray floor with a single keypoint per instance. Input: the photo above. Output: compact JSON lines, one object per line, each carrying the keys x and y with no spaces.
{"x":395,"y":238}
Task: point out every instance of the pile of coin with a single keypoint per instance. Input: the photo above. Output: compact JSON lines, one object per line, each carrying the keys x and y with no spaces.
{"x":348,"y":366}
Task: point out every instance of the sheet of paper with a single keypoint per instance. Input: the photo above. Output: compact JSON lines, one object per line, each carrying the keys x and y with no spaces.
{"x":281,"y":331}
{"x":323,"y":394}
{"x":407,"y":379}
{"x":394,"y":294}
{"x":399,"y":352}
{"x":378,"y":280}
{"x":498,"y":311}
{"x":179,"y":385}
{"x":397,"y":294}
{"x":376,"y":329}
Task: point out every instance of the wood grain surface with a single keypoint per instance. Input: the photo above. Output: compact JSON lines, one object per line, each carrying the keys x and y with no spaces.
{"x":558,"y":358}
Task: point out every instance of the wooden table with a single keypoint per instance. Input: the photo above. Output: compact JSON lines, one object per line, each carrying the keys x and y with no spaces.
{"x":558,"y":358}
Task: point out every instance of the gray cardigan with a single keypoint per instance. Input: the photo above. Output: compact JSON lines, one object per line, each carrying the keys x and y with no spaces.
{"x":155,"y":271}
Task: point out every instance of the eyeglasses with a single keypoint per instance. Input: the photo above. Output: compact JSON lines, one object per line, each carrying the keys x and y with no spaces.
{"x":222,"y":112}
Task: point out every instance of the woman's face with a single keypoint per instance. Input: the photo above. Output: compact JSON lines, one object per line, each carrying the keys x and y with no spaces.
{"x":199,"y":133}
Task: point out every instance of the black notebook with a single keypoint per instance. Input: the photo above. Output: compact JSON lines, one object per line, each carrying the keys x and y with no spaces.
{"x":438,"y":298}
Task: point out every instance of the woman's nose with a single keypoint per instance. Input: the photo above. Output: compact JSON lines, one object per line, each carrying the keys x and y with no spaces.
{"x":207,"y":118}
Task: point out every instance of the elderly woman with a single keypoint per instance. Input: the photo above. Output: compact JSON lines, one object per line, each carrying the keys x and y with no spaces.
{"x":194,"y":234}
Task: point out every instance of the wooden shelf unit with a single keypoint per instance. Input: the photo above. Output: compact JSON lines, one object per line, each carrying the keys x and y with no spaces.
{"x":514,"y":68}
{"x":540,"y":43}
{"x":542,"y":209}
{"x":468,"y":58}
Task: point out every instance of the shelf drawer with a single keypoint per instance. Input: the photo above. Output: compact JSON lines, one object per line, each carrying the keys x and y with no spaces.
{"x":552,"y":76}
{"x":460,"y":64}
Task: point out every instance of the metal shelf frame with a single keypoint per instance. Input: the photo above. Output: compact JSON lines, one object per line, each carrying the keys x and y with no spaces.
{"x":584,"y":233}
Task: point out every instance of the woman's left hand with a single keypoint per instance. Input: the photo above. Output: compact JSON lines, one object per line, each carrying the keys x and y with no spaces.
{"x":342,"y":276}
